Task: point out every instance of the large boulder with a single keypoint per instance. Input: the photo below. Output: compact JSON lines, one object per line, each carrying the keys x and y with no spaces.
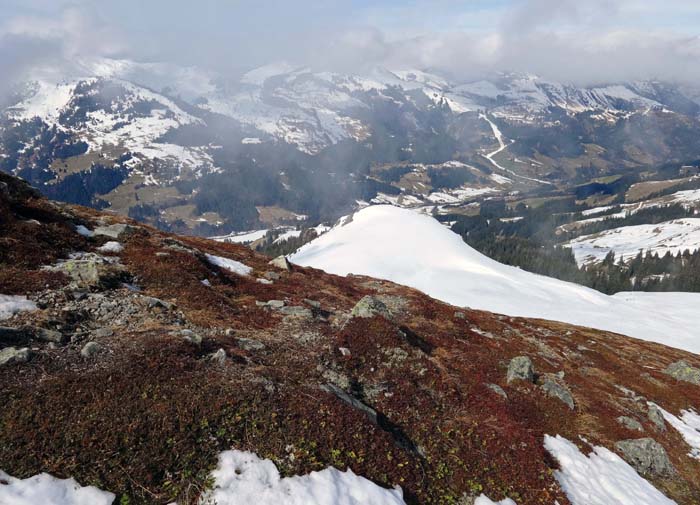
{"x":521,"y":368}
{"x":647,"y":456}
{"x":370,"y":306}
{"x":90,"y":270}
{"x":682,"y":371}
{"x":281,"y":262}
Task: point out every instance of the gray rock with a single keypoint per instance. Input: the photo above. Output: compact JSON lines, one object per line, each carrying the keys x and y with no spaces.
{"x":682,"y":371}
{"x":556,"y":390}
{"x":103,"y":332}
{"x":281,"y":262}
{"x":312,"y":303}
{"x":272,"y":276}
{"x":339,"y":379}
{"x":498,"y":390}
{"x":90,"y":349}
{"x":295,"y":311}
{"x":229,"y":332}
{"x":460,"y":315}
{"x":49,"y":335}
{"x":647,"y":456}
{"x":189,"y":335}
{"x":249,"y":344}
{"x":273,"y":304}
{"x":176,"y":245}
{"x":194,"y":338}
{"x":369,"y":306}
{"x":218,"y":358}
{"x":90,"y":270}
{"x":521,"y":368}
{"x":630,"y":423}
{"x":114,"y":230}
{"x":656,"y":417}
{"x":11,"y":355}
{"x":153,"y":302}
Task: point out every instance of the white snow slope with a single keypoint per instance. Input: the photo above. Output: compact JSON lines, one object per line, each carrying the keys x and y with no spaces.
{"x":672,"y":236}
{"x":416,"y":250}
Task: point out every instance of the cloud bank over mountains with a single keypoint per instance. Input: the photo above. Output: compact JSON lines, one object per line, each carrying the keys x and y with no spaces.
{"x":580,"y":42}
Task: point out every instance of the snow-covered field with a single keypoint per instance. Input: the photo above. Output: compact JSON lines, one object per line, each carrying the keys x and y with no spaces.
{"x":242,"y":237}
{"x":412,"y":249}
{"x":672,"y":236}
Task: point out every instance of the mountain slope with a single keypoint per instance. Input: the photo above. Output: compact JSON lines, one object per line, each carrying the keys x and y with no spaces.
{"x":415,"y":250}
{"x":140,"y":356}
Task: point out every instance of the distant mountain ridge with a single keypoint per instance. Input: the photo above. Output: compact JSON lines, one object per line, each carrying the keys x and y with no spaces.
{"x":160,"y":142}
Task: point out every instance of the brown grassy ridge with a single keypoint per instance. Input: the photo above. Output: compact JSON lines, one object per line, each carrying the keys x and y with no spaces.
{"x":149,"y":417}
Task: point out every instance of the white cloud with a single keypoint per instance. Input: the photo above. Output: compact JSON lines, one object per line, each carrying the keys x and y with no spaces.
{"x":586,"y":42}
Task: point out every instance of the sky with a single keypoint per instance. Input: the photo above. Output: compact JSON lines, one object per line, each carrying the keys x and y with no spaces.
{"x":585,"y":42}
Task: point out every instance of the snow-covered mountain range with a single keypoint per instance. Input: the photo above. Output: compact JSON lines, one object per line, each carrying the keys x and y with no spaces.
{"x":151,"y":139}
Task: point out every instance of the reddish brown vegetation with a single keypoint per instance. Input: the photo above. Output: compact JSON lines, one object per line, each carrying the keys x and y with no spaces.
{"x":148,"y":419}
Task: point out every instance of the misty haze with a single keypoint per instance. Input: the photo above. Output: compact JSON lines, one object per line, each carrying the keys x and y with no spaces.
{"x":349,"y":252}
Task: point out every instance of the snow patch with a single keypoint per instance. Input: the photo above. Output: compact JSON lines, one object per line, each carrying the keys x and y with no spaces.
{"x":82,"y":230}
{"x":601,"y":478}
{"x":44,"y":489}
{"x":231,"y":265}
{"x":485,"y":500}
{"x":242,"y":237}
{"x":688,"y":426}
{"x":11,"y":305}
{"x":111,"y":247}
{"x":242,"y":478}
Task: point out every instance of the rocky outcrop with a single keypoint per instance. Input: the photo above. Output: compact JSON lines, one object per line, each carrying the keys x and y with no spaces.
{"x":89,"y":270}
{"x":370,"y":306}
{"x":520,"y":368}
{"x":656,"y":417}
{"x":682,"y":371}
{"x":556,"y":390}
{"x":281,"y":262}
{"x":647,"y":456}
{"x":630,"y":423}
